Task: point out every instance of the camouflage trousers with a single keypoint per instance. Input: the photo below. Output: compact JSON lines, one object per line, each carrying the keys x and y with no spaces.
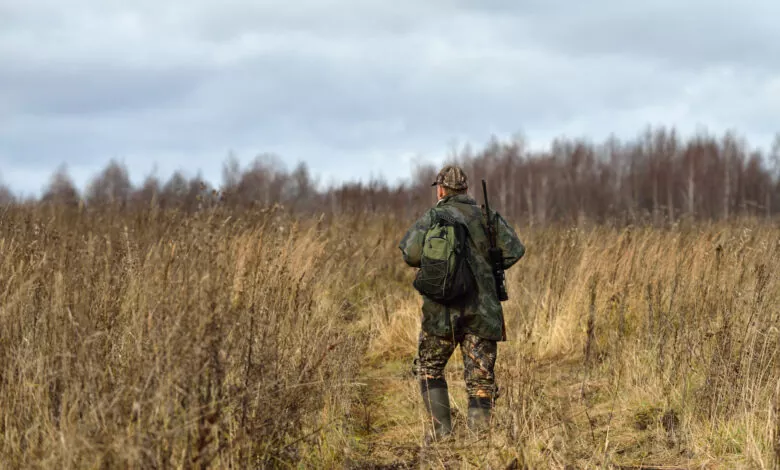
{"x":479,"y":360}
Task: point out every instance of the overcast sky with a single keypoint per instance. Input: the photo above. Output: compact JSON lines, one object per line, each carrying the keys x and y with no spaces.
{"x":365,"y":87}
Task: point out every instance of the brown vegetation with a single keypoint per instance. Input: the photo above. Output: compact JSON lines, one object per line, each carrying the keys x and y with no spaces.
{"x":632,"y":348}
{"x":154,"y":339}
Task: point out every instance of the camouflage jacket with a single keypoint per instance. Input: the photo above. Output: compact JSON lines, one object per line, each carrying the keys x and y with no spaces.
{"x":483,"y":314}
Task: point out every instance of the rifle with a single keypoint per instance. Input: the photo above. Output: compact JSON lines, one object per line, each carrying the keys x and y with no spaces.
{"x":496,"y":256}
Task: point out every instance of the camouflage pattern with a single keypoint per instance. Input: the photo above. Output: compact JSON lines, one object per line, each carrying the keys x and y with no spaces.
{"x":479,"y":360}
{"x":452,"y":177}
{"x":482,"y":314}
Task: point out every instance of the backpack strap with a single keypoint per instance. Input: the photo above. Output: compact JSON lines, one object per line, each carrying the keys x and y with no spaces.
{"x":447,"y":216}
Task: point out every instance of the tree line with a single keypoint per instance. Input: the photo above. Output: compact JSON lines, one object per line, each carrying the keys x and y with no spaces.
{"x":657,"y":177}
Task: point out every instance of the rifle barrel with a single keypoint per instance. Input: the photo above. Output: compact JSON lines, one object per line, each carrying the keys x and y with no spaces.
{"x":487,"y":204}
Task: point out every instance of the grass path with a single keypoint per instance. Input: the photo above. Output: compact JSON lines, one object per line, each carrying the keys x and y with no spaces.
{"x":569,"y":422}
{"x":387,"y":419}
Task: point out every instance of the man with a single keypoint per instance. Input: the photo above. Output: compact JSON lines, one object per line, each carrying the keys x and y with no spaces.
{"x":476,"y":324}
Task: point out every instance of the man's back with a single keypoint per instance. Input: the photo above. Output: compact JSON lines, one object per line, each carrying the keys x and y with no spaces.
{"x":482,"y":313}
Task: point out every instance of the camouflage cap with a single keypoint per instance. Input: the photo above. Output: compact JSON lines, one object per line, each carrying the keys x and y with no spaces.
{"x":452,"y":177}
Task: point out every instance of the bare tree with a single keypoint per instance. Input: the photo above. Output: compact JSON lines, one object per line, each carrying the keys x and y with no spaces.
{"x":6,"y":197}
{"x":61,"y":189}
{"x":773,"y":195}
{"x":303,"y":187}
{"x":174,"y":192}
{"x":231,"y":173}
{"x":112,"y":186}
{"x":148,"y":195}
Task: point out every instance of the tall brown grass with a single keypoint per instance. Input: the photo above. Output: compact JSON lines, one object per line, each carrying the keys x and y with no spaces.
{"x":682,"y":363}
{"x":633,"y":347}
{"x":160,"y":341}
{"x":250,"y":340}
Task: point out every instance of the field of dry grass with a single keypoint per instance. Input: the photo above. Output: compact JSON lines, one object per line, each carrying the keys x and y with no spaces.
{"x":253,"y":340}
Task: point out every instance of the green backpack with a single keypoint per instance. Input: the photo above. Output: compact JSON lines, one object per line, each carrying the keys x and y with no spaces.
{"x":445,"y":275}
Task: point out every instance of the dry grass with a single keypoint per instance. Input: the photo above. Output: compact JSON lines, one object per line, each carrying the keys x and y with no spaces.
{"x":154,"y":340}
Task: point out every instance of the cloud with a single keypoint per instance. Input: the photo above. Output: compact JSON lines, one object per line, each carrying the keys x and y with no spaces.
{"x":358,"y":88}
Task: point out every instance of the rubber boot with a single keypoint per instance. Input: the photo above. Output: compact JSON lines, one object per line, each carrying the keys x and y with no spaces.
{"x":479,"y":414}
{"x":437,"y":403}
